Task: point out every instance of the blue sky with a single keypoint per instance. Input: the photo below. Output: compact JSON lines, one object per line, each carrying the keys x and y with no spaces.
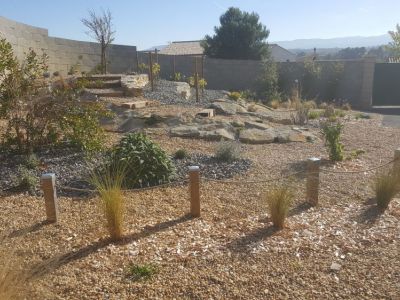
{"x":156,"y":22}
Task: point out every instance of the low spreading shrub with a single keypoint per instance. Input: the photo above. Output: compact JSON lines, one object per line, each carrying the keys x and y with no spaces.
{"x":177,"y":76}
{"x":26,"y":179}
{"x":234,"y":96}
{"x":145,"y":162}
{"x":108,"y":183}
{"x":386,"y":186}
{"x":138,"y":272}
{"x":181,"y":154}
{"x":313,"y":115}
{"x":31,"y":161}
{"x":279,"y":200}
{"x":227,"y":151}
{"x":332,"y":132}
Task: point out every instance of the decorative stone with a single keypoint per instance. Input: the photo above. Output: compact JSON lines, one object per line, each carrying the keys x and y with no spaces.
{"x":185,"y":131}
{"x":257,"y":136}
{"x":226,"y":108}
{"x":133,"y":84}
{"x":249,"y":124}
{"x":217,"y":135}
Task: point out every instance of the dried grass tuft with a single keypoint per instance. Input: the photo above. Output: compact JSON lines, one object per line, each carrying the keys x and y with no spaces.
{"x":279,"y":200}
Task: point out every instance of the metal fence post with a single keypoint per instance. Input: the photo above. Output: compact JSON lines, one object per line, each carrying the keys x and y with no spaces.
{"x":48,"y":183}
{"x":312,"y":188}
{"x":194,"y":186}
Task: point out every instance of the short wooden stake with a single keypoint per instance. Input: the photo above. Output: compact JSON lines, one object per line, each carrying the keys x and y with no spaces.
{"x":396,"y":164}
{"x":48,"y":182}
{"x":312,"y":180}
{"x":194,"y":177}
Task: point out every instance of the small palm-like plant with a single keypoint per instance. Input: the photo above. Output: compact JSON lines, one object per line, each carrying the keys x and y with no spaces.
{"x":108,"y":183}
{"x":386,"y":186}
{"x":279,"y":200}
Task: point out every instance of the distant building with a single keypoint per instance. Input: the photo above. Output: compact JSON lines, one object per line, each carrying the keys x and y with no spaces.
{"x":193,"y":48}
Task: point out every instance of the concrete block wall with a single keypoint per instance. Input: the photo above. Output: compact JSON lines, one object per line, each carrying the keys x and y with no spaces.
{"x":65,"y":53}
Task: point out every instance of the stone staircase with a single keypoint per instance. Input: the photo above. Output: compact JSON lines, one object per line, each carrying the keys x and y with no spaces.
{"x":105,"y":85}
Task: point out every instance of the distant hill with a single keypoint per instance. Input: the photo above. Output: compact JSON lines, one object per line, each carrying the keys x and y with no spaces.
{"x":340,"y":42}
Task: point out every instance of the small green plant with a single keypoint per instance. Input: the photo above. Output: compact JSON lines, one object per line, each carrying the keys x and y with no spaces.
{"x":98,"y":84}
{"x":227,"y":151}
{"x":31,"y":161}
{"x":156,"y":70}
{"x":145,"y":162}
{"x":201,"y":82}
{"x":177,"y":76}
{"x":26,"y":179}
{"x":332,"y":132}
{"x":143,"y":68}
{"x":313,"y":115}
{"x":139,"y":272}
{"x":386,"y":186}
{"x":234,"y":96}
{"x":340,"y":113}
{"x":362,"y":116}
{"x":332,"y":119}
{"x":279,"y":200}
{"x":181,"y":154}
{"x":355,"y":154}
{"x":108,"y":183}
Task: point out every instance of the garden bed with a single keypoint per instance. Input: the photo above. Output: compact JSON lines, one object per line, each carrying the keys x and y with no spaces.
{"x":342,"y":249}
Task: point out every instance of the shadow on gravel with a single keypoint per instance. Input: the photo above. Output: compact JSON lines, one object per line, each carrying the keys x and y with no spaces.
{"x":30,"y":229}
{"x":298,"y":209}
{"x":371,"y":213}
{"x":49,"y":265}
{"x":243,"y":244}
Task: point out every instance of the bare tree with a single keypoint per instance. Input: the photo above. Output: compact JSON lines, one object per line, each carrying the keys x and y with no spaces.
{"x":100,"y":29}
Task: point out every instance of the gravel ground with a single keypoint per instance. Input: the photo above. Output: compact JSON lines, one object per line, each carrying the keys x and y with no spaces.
{"x":163,"y":92}
{"x":342,"y":249}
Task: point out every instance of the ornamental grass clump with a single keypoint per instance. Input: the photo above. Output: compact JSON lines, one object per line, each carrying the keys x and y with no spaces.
{"x":332,"y":132}
{"x":108,"y":183}
{"x":386,"y":187}
{"x":279,"y":200}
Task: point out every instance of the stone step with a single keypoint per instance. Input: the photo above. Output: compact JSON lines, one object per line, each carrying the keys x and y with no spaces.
{"x":110,"y":92}
{"x":104,"y":84}
{"x":135,"y":104}
{"x":105,"y":77}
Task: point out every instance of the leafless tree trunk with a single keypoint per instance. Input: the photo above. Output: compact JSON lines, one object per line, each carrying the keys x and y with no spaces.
{"x":100,"y":29}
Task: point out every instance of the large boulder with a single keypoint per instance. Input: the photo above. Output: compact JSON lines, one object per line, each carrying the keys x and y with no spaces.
{"x":187,"y":131}
{"x":223,"y":107}
{"x":257,"y":136}
{"x":133,"y":85}
{"x":181,"y":89}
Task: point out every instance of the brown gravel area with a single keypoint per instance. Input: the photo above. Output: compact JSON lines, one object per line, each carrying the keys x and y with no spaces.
{"x":231,"y":252}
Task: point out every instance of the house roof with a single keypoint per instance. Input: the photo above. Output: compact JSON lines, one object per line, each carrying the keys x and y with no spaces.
{"x":194,"y":48}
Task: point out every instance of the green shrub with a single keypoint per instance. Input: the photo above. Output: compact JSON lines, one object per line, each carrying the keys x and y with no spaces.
{"x":138,"y":272}
{"x":386,"y":186}
{"x":26,"y":179}
{"x":267,"y":84}
{"x":313,"y":115}
{"x":227,"y":151}
{"x":201,"y":82}
{"x":143,"y":68}
{"x":181,"y":154}
{"x":362,"y":116}
{"x":177,"y":76}
{"x":108,"y":183}
{"x":31,"y":161}
{"x":249,"y":95}
{"x":332,"y":133}
{"x":355,"y":154}
{"x":156,"y":70}
{"x":145,"y":162}
{"x":340,"y":113}
{"x":279,"y":200}
{"x":234,"y":96}
{"x":40,"y":112}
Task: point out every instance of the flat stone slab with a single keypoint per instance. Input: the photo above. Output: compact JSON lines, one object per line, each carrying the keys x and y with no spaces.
{"x":135,"y":104}
{"x":227,"y":108}
{"x":257,"y":136}
{"x":250,"y":124}
{"x":206,"y":113}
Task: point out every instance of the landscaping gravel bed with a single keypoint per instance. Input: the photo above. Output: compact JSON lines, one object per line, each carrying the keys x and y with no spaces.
{"x":163,"y":92}
{"x":210,"y":167}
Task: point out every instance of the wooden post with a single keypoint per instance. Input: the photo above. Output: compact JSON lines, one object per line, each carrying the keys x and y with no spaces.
{"x":202,"y":74}
{"x":312,"y":180}
{"x":48,"y":182}
{"x":194,"y":186}
{"x":151,"y":71}
{"x":196,"y":79}
{"x":396,"y":164}
{"x":156,"y":52}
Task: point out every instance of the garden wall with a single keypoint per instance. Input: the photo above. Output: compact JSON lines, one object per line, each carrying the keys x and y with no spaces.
{"x":65,"y":53}
{"x":354,"y":84}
